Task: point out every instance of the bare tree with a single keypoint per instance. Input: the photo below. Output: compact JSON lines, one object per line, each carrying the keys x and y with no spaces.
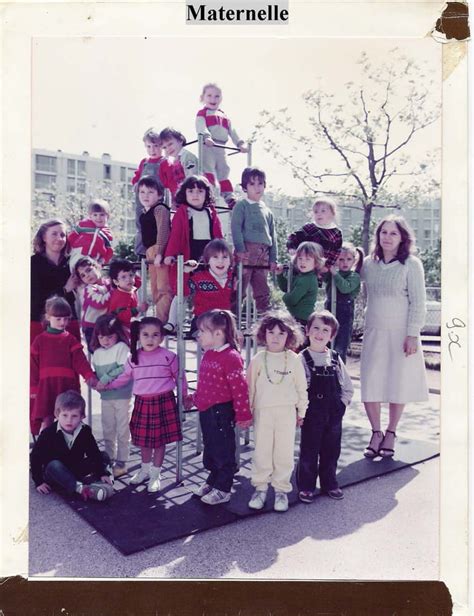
{"x":358,"y":146}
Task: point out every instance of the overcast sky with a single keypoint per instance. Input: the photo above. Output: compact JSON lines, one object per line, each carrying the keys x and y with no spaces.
{"x":100,"y":94}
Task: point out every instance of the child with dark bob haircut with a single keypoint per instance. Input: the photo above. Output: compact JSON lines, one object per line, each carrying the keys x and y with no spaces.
{"x":254,"y":237}
{"x":329,"y":391}
{"x":124,"y":298}
{"x":278,"y":400}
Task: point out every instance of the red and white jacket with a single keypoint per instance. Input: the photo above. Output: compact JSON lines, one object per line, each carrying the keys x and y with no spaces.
{"x":87,"y":240}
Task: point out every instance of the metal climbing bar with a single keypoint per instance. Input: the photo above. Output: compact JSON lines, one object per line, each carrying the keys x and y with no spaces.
{"x":181,"y":352}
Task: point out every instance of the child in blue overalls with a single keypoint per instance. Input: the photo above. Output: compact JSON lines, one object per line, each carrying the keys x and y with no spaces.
{"x":149,"y":166}
{"x":329,"y":391}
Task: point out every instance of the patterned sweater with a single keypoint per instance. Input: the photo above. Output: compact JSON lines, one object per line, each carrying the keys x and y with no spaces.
{"x":396,"y":294}
{"x":208,"y":293}
{"x":95,"y":302}
{"x":88,"y":240}
{"x":156,"y":373}
{"x":283,"y":385}
{"x":108,"y":365}
{"x":124,"y":304}
{"x":329,"y":239}
{"x":222,"y":379}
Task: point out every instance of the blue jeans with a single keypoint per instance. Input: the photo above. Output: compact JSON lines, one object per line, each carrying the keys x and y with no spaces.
{"x":218,"y":435}
{"x":345,"y":316}
{"x":58,"y":475}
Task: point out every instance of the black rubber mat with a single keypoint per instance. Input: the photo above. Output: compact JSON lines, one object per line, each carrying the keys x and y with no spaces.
{"x":134,"y":520}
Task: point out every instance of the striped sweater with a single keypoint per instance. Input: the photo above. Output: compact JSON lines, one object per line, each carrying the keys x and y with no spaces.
{"x":108,"y":365}
{"x":155,"y":373}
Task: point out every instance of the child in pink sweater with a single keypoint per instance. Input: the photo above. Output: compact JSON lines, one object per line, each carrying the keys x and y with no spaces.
{"x":222,"y":399}
{"x":155,"y":419}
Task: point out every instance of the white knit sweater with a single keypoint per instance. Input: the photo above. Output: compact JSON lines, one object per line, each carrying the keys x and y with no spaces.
{"x":396,"y":296}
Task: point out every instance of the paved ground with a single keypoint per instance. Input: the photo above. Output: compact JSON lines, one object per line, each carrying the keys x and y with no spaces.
{"x":385,"y":528}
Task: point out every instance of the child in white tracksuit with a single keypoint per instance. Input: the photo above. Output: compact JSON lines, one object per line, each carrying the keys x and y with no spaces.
{"x":278,"y":399}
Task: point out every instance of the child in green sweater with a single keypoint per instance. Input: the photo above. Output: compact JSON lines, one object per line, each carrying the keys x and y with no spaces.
{"x":254,"y":237}
{"x":347,"y":280}
{"x":301,"y":298}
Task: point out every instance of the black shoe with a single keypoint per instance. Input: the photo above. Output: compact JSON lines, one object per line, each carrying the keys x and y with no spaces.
{"x":336,"y":494}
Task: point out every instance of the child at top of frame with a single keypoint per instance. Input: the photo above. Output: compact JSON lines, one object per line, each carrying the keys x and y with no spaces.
{"x":149,"y":166}
{"x":216,"y":128}
{"x":155,"y":231}
{"x":301,"y":299}
{"x":254,"y":236}
{"x":222,"y":400}
{"x":124,"y":299}
{"x":329,"y":390}
{"x":155,"y":419}
{"x":56,"y":361}
{"x":110,"y":350}
{"x":91,"y":237}
{"x":213,"y":288}
{"x":347,"y":279}
{"x":278,"y":401}
{"x":95,"y":295}
{"x":323,"y":231}
{"x":66,"y":456}
{"x":194,"y":224}
{"x":179,"y":163}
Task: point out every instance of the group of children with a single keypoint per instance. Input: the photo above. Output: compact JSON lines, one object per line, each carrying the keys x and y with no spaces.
{"x":281,"y":390}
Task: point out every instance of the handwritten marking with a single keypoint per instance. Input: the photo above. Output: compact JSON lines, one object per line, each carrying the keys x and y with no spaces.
{"x":453,"y":336}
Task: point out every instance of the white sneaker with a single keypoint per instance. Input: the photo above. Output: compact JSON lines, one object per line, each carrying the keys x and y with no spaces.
{"x":216,"y":497}
{"x":281,"y":502}
{"x":202,"y":490}
{"x":139,"y":476}
{"x":154,"y":484}
{"x":258,"y":499}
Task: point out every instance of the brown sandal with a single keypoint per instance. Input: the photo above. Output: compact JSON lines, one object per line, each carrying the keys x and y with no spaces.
{"x":373,"y":448}
{"x":387,"y":452}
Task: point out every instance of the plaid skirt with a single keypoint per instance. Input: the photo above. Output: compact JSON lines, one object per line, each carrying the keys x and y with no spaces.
{"x":155,"y":421}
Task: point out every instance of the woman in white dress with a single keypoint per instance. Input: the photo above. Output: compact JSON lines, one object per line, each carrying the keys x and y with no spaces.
{"x":392,"y":367}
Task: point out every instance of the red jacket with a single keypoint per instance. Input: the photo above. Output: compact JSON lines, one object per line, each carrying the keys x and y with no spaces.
{"x":179,"y":242}
{"x":90,"y":241}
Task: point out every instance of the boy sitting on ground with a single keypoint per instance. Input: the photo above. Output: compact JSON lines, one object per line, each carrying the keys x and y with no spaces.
{"x":66,"y":457}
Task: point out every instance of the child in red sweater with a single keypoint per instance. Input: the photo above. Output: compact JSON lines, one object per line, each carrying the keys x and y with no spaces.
{"x":91,"y":237}
{"x":222,"y":399}
{"x":56,"y":361}
{"x":193,"y":226}
{"x":124,"y":299}
{"x":179,"y":163}
{"x":212,"y":288}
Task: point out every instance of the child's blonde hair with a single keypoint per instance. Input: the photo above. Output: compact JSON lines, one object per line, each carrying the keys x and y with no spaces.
{"x":327,"y":201}
{"x":209,"y":85}
{"x":310,"y":249}
{"x":285,"y":322}
{"x":357,"y":253}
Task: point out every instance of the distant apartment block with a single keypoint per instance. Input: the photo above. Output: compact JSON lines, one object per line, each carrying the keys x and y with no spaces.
{"x":57,"y":173}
